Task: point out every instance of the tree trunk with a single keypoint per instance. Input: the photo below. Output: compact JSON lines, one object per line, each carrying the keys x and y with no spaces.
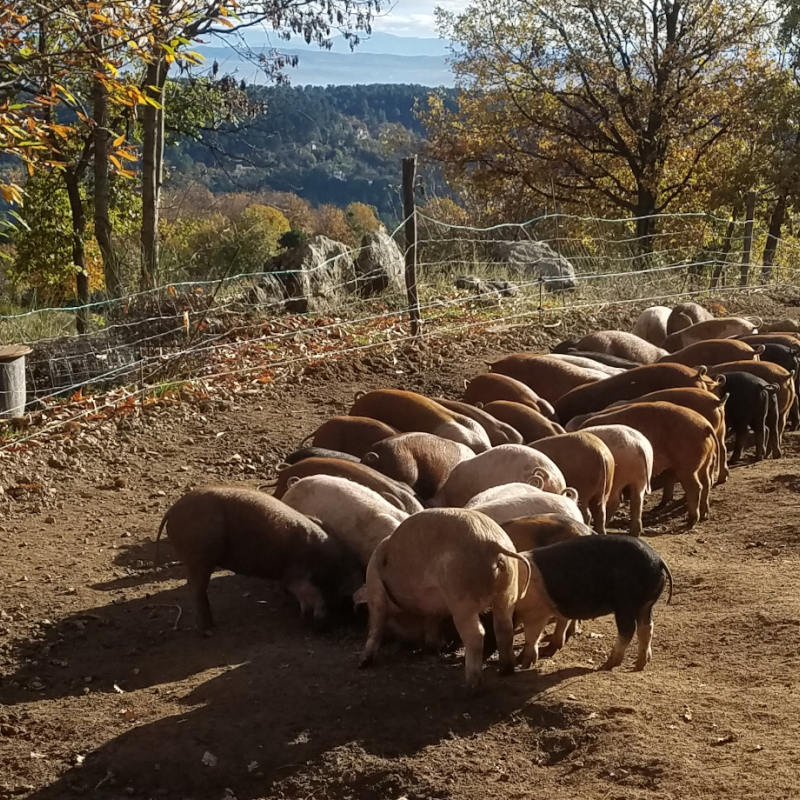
{"x":78,"y":248}
{"x":645,"y":226}
{"x":773,"y":237}
{"x":152,"y":168}
{"x":102,"y":220}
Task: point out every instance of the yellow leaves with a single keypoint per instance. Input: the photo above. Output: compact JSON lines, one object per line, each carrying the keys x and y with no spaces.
{"x":11,"y":193}
{"x":119,"y":140}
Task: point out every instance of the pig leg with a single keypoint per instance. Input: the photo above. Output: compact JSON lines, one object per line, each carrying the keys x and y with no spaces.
{"x":692,"y":488}
{"x":503,"y":624}
{"x":644,"y":637}
{"x":469,"y":627}
{"x":637,"y":502}
{"x":598,"y":510}
{"x":197,"y":582}
{"x":668,"y":494}
{"x":431,"y":627}
{"x":626,"y":627}
{"x":740,"y":435}
{"x":564,"y":629}
{"x":724,"y":472}
{"x":761,"y":437}
{"x":706,"y":482}
{"x":312,"y":603}
{"x":535,"y":621}
{"x":613,"y":503}
{"x":378,"y":616}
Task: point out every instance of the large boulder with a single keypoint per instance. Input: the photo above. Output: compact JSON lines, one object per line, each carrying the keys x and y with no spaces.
{"x":380,"y":265}
{"x":315,"y":274}
{"x":537,"y":261}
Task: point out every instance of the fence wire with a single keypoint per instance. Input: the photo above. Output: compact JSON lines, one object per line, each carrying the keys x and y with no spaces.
{"x":254,"y":324}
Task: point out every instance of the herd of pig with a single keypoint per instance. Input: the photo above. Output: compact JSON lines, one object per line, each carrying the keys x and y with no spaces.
{"x":462,"y":521}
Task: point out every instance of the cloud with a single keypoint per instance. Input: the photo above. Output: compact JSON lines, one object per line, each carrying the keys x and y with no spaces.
{"x":414,"y":17}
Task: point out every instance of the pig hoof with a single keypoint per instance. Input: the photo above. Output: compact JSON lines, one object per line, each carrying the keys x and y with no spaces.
{"x":506,"y":669}
{"x":548,"y":652}
{"x":366,"y":661}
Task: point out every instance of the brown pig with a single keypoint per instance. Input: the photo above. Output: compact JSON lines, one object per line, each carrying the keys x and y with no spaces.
{"x":489,"y":386}
{"x":250,"y":533}
{"x":547,"y":376}
{"x":409,"y":411}
{"x":530,"y":423}
{"x":628,"y":386}
{"x":684,"y":446}
{"x":419,"y":460}
{"x":705,"y":403}
{"x":588,"y":467}
{"x":397,"y":493}
{"x":719,"y":328}
{"x":447,"y":562}
{"x":498,"y":431}
{"x":622,"y":345}
{"x":713,"y":351}
{"x":353,"y":435}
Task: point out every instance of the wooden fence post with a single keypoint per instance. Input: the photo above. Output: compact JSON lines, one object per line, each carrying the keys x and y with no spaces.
{"x":410,"y":213}
{"x":748,"y":238}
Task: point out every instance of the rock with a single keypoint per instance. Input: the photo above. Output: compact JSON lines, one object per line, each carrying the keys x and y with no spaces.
{"x":56,"y":463}
{"x":380,"y":265}
{"x":50,"y":520}
{"x":269,"y":291}
{"x":535,"y":260}
{"x":486,"y":285}
{"x":314,"y":274}
{"x":120,"y":482}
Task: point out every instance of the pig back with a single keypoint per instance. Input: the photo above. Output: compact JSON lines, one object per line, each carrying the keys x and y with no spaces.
{"x":242,"y":530}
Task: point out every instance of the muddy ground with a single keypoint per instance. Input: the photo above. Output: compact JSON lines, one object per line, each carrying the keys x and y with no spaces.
{"x":104,"y":696}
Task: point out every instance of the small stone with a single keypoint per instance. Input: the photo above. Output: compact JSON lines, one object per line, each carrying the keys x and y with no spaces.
{"x":50,"y":520}
{"x":120,"y":482}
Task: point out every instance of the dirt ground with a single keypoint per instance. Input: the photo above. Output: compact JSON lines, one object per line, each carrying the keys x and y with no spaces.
{"x":103,"y":695}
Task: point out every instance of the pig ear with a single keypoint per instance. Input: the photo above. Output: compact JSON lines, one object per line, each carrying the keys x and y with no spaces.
{"x":760,"y":349}
{"x":478,"y":405}
{"x":571,"y":493}
{"x":282,"y":466}
{"x":393,"y":500}
{"x":370,"y":459}
{"x":360,"y":596}
{"x":702,"y":371}
{"x":292,"y":481}
{"x":721,"y":380}
{"x":724,"y":399}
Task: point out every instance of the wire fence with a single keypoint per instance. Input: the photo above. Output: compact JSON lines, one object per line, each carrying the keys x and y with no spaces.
{"x":253,"y":326}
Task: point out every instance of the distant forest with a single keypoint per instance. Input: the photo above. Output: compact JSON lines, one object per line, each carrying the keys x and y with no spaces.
{"x":335,"y":144}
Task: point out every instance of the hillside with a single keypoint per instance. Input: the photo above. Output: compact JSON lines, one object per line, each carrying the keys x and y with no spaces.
{"x":335,"y":144}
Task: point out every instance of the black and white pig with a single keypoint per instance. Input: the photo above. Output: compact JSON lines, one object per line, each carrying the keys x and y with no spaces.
{"x":588,"y":577}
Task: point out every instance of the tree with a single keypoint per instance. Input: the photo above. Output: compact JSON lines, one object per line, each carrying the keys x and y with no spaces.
{"x":174,"y":26}
{"x":614,"y":104}
{"x":362,"y":218}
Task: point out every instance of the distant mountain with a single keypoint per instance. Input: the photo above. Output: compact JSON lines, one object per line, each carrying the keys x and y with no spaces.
{"x":379,"y":58}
